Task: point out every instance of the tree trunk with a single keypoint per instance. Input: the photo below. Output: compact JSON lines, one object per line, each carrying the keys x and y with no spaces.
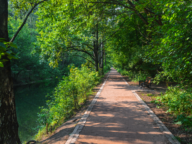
{"x":96,"y":57}
{"x":105,"y":57}
{"x":3,"y":19}
{"x":102,"y":71}
{"x":95,"y":46}
{"x":96,"y":64}
{"x":8,"y":117}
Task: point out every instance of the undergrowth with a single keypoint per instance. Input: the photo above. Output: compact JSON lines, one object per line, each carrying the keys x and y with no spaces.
{"x":68,"y":97}
{"x":133,"y":76}
{"x":177,"y":100}
{"x":179,"y":103}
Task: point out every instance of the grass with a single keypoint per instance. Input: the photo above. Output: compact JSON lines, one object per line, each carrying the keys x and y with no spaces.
{"x":150,"y":94}
{"x":28,"y":100}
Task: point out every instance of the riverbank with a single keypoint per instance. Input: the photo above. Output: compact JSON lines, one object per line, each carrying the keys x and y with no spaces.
{"x":28,"y":100}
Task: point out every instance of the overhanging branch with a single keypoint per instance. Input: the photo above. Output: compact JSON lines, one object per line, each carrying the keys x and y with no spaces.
{"x":75,"y":49}
{"x":17,"y":32}
{"x":115,"y":2}
{"x":84,"y":58}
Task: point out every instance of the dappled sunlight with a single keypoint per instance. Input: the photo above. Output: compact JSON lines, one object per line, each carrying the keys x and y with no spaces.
{"x":118,"y":117}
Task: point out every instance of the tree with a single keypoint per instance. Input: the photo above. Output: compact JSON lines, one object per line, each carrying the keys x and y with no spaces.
{"x":81,"y":35}
{"x":8,"y":117}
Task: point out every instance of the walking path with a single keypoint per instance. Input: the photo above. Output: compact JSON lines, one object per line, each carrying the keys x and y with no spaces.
{"x":118,"y":117}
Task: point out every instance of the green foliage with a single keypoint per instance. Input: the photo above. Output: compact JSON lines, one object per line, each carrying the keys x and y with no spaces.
{"x":171,"y":42}
{"x":127,"y":49}
{"x":30,"y":66}
{"x":153,"y":38}
{"x":162,"y":47}
{"x":107,"y":68}
{"x":184,"y":120}
{"x":68,"y":96}
{"x":179,"y":103}
{"x":134,"y":76}
{"x":5,"y":51}
{"x":62,"y":29}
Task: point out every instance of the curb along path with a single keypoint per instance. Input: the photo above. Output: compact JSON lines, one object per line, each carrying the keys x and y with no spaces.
{"x":118,"y":116}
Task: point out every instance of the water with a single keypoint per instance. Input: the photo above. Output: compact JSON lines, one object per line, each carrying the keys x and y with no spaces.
{"x":28,"y":100}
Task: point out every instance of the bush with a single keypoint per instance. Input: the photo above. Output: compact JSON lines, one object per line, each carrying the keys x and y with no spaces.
{"x":134,"y":76}
{"x":68,"y":96}
{"x":107,"y":68}
{"x":179,"y":103}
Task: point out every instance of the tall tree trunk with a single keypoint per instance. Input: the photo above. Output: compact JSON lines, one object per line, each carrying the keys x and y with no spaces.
{"x":96,"y":57}
{"x":101,"y":66}
{"x":8,"y":117}
{"x":95,"y":45}
{"x":96,"y":64}
{"x":105,"y":57}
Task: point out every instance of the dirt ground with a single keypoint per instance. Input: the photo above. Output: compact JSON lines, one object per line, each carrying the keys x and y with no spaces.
{"x":184,"y":137}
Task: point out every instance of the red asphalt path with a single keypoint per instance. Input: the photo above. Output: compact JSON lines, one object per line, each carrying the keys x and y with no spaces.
{"x":118,"y":117}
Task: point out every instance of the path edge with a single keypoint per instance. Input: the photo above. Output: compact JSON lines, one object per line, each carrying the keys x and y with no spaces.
{"x":75,"y":134}
{"x":159,"y":123}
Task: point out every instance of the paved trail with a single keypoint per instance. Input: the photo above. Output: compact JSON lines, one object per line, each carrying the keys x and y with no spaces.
{"x":119,"y":118}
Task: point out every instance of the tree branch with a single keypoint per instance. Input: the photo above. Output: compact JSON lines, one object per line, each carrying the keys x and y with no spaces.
{"x":84,"y":58}
{"x":17,"y":32}
{"x":113,"y":3}
{"x":157,"y":17}
{"x":114,"y":32}
{"x":142,"y":34}
{"x":133,"y":8}
{"x":88,"y":46}
{"x":73,"y":48}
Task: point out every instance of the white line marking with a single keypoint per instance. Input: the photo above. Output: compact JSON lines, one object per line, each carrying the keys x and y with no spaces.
{"x":161,"y":126}
{"x":124,"y":80}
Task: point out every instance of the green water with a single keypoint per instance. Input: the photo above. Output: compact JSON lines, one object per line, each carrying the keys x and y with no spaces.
{"x":28,"y":100}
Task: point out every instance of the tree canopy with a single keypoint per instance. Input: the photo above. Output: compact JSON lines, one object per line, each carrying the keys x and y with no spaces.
{"x":142,"y":36}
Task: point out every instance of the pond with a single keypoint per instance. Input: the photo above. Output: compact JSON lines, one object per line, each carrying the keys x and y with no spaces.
{"x":28,"y":100}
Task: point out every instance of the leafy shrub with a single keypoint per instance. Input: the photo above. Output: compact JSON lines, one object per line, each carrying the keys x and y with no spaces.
{"x":179,"y":103}
{"x":107,"y":68}
{"x":68,"y":96}
{"x":134,"y":76}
